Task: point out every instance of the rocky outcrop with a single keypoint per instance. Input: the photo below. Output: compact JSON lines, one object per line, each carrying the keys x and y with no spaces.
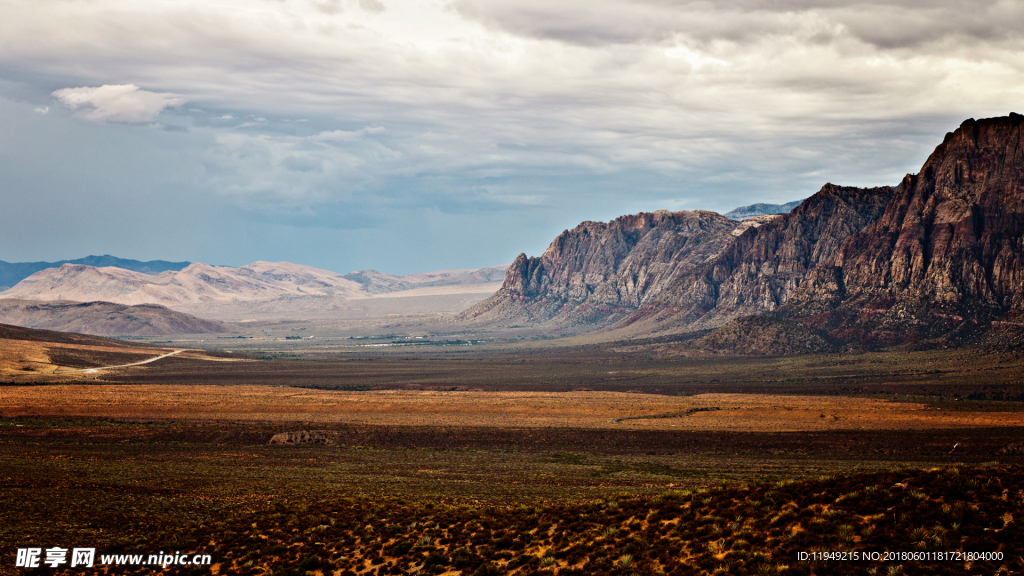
{"x":942,"y":266}
{"x":955,"y":232}
{"x":754,"y":222}
{"x":765,"y":265}
{"x":305,"y":437}
{"x":945,"y":262}
{"x":602,"y":271}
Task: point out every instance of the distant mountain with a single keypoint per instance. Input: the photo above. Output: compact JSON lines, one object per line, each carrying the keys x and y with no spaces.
{"x":375,"y":282}
{"x":678,"y":271}
{"x":258,"y":290}
{"x":12,"y":273}
{"x":193,"y":287}
{"x":105,"y":318}
{"x":744,"y":212}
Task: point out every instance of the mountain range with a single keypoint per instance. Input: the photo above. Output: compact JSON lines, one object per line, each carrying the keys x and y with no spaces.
{"x":194,"y":285}
{"x":262,"y":290}
{"x":374,"y":282}
{"x":13,"y":272}
{"x":935,"y":261}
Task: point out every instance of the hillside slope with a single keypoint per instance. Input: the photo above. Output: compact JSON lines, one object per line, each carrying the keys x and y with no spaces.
{"x":26,"y":353}
{"x":105,"y":318}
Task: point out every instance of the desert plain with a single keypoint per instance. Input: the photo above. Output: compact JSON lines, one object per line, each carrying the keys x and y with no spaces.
{"x":495,"y":409}
{"x":329,"y":456}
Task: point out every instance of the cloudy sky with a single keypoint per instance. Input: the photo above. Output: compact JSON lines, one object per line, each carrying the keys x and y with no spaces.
{"x":412,"y":135}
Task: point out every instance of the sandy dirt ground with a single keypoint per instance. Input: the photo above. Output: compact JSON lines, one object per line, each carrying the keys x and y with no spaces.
{"x":734,"y":412}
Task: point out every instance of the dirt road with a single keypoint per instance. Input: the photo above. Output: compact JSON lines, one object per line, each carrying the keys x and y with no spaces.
{"x":94,"y":370}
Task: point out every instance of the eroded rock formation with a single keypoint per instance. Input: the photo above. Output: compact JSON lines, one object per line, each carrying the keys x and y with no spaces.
{"x":600,"y":271}
{"x":764,"y":266}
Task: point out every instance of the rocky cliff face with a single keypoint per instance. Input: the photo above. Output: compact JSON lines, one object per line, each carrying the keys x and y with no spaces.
{"x":599,"y":272}
{"x":955,"y":231}
{"x":945,"y":260}
{"x":764,"y":266}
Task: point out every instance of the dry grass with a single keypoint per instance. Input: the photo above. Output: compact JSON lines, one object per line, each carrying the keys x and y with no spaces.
{"x":29,"y":358}
{"x":730,"y":529}
{"x":22,"y":356}
{"x":736,"y":412}
{"x":34,"y":361}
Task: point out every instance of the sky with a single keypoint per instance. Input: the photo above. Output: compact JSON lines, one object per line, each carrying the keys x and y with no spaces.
{"x":416,"y":135}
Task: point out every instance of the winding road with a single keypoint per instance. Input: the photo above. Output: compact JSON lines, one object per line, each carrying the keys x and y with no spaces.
{"x":94,"y":370}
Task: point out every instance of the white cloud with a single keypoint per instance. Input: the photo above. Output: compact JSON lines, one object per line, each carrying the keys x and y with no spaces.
{"x":41,"y":110}
{"x":346,"y":135}
{"x":124,"y":103}
{"x":338,"y":136}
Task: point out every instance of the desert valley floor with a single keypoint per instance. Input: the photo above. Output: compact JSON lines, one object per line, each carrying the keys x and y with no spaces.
{"x":332,"y":459}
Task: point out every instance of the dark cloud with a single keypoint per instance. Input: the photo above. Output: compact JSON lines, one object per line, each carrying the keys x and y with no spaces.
{"x":899,"y":24}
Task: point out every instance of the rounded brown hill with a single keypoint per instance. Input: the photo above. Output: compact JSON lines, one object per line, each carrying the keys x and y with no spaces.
{"x":105,"y":318}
